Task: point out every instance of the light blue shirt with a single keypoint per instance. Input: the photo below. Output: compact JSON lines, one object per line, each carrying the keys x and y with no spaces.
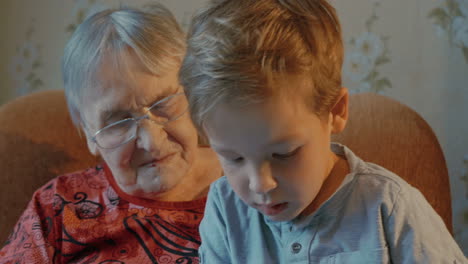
{"x":373,"y":217}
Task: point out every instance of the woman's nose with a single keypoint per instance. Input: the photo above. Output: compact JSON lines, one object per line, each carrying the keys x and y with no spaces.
{"x":149,"y":134}
{"x":261,"y":180}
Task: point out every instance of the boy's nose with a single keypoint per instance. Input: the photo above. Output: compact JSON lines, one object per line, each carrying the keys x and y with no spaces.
{"x":261,"y":180}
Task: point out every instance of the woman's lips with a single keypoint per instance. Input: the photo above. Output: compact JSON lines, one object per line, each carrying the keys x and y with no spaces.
{"x":155,"y":162}
{"x":272,"y":209}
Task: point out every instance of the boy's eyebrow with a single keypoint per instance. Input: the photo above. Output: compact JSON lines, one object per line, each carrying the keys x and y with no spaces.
{"x":288,"y":140}
{"x":220,"y":149}
{"x":276,"y":143}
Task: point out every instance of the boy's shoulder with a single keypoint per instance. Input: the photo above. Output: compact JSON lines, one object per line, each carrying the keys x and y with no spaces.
{"x":373,"y":176}
{"x":221,"y":182}
{"x":221,"y":189}
{"x":372,"y":182}
{"x":377,"y":177}
{"x":222,"y":194}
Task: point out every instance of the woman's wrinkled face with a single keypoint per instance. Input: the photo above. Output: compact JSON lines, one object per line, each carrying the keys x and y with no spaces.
{"x":153,"y":163}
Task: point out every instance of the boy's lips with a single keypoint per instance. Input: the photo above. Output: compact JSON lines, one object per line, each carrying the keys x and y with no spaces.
{"x":271,"y":209}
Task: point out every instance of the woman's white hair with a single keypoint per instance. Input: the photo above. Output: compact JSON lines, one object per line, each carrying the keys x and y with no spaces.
{"x":152,"y":34}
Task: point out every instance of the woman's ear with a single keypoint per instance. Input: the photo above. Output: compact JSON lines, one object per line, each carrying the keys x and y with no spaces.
{"x":92,"y":146}
{"x":339,"y":112}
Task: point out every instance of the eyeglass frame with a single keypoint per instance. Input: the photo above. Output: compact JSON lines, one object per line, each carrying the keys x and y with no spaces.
{"x":137,"y":120}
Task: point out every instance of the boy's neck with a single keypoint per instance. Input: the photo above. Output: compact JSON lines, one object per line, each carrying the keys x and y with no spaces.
{"x":333,"y":181}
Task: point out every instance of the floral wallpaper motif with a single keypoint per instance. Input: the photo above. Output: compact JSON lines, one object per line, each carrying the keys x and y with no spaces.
{"x":464,"y":179}
{"x":460,"y":230}
{"x":24,"y":65}
{"x":81,"y":10}
{"x":185,"y":21}
{"x":452,"y":18}
{"x":364,"y":56}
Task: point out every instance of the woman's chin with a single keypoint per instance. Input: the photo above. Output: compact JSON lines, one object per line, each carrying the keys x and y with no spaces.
{"x":153,"y":182}
{"x":149,"y":192}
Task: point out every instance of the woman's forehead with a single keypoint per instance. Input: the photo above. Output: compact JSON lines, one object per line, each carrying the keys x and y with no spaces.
{"x":127,"y":75}
{"x":129,"y":94}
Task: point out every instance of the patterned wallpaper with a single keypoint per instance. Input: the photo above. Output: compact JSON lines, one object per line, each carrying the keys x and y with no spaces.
{"x":365,"y":55}
{"x":415,"y":51}
{"x":451,"y":18}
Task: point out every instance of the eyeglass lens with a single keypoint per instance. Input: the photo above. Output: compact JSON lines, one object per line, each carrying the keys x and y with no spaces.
{"x":162,"y":112}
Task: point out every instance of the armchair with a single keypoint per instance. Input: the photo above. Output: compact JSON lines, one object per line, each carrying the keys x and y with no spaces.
{"x":39,"y":142}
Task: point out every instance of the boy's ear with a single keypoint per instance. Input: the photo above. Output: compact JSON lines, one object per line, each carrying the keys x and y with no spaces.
{"x":339,"y":112}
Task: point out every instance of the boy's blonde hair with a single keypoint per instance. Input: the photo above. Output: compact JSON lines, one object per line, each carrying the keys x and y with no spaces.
{"x":236,"y":50}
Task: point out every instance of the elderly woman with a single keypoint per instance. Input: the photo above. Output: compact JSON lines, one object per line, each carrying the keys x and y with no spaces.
{"x":145,"y":202}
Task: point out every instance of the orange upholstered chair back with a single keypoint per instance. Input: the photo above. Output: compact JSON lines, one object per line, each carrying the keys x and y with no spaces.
{"x":386,"y":132}
{"x":37,"y":143}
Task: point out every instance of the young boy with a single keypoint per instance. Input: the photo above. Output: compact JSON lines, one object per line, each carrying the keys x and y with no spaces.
{"x":263,"y":78}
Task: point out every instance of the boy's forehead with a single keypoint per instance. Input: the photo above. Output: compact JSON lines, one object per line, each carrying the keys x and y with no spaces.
{"x":267,"y":124}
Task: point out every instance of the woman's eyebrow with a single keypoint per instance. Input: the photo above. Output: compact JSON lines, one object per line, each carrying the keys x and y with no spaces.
{"x":168,"y":91}
{"x":111,"y":112}
{"x":108,"y":114}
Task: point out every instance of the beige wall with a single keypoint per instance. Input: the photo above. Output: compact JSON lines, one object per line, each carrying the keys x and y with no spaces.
{"x":427,"y":70}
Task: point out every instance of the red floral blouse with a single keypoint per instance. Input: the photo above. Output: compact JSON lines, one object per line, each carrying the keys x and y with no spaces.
{"x":83,"y":217}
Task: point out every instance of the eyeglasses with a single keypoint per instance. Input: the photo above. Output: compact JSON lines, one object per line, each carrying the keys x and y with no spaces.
{"x":121,"y":132}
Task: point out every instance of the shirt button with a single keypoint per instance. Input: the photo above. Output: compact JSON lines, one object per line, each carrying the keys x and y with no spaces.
{"x":296,"y":247}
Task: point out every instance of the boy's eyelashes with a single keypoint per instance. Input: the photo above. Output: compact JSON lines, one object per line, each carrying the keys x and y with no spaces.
{"x":285,"y":156}
{"x":237,"y":160}
{"x":278,"y":156}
